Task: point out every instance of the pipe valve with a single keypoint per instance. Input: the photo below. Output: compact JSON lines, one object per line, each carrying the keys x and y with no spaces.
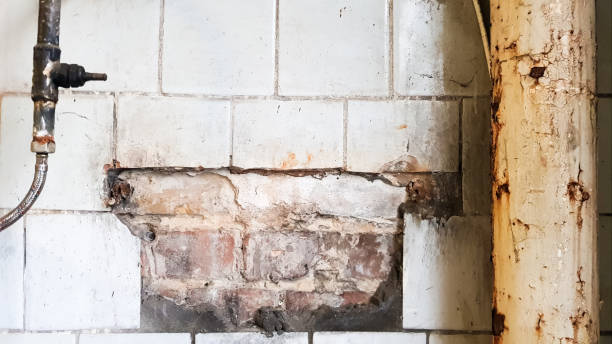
{"x":73,"y":75}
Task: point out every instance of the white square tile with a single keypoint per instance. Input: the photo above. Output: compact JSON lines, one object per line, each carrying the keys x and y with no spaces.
{"x":11,"y":276}
{"x":173,"y":131}
{"x":251,"y":338}
{"x":82,"y":272}
{"x":18,"y":21}
{"x":219,"y":47}
{"x":438,"y":49}
{"x":333,"y":47}
{"x":83,"y":133}
{"x":403,"y":136}
{"x":368,"y":338}
{"x":136,"y":338}
{"x":120,"y":38}
{"x":37,"y":338}
{"x":447,"y":274}
{"x":287,"y":134}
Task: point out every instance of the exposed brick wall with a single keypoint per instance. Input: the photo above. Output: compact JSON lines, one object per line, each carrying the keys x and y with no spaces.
{"x":279,"y":164}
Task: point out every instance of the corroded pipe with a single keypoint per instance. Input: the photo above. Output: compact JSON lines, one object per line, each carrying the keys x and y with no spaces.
{"x":48,"y":75}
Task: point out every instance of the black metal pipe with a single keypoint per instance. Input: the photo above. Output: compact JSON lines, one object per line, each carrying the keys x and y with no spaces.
{"x":48,"y":75}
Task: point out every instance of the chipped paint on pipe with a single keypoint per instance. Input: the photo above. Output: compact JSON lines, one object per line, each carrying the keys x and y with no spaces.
{"x":544,"y":172}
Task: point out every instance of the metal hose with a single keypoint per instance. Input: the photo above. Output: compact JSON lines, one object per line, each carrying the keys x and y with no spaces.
{"x":40,"y":175}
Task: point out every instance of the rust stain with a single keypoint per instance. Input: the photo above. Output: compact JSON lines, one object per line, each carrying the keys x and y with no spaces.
{"x":290,"y":161}
{"x":403,"y":126}
{"x":499,"y":325}
{"x":44,"y":139}
{"x":309,"y":158}
{"x":577,"y":194}
{"x":502,"y":189}
{"x":540,"y":323}
{"x":537,"y":72}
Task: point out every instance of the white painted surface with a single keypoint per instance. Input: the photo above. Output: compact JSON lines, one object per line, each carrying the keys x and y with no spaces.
{"x":38,"y":338}
{"x":403,"y":136}
{"x":333,"y":47}
{"x":173,"y":131}
{"x":438,"y":49}
{"x":136,"y":338}
{"x":251,"y":338}
{"x":82,"y":272}
{"x":447,"y":274}
{"x":287,"y":134}
{"x":219,"y":47}
{"x":368,"y":338}
{"x":83,"y":133}
{"x":11,"y":276}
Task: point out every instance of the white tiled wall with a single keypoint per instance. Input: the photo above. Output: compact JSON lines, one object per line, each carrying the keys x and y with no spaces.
{"x":310,"y":84}
{"x":82,"y":272}
{"x":11,"y":276}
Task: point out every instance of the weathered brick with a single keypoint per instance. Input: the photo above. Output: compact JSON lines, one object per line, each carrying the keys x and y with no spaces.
{"x":245,"y":302}
{"x":219,"y":47}
{"x":11,"y":276}
{"x":194,"y":255}
{"x":435,"y":338}
{"x":172,"y":131}
{"x":437,"y":49}
{"x":300,"y":300}
{"x":279,"y":256}
{"x":357,"y":256}
{"x":287,"y":134}
{"x":403,"y":136}
{"x":324,"y":43}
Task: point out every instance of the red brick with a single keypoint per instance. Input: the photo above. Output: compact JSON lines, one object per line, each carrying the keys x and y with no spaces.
{"x":355,"y":298}
{"x":367,"y":256}
{"x":244,"y":303}
{"x":279,"y":256}
{"x":194,"y":255}
{"x":300,"y":300}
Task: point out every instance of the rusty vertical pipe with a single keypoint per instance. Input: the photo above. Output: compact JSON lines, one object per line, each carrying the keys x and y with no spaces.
{"x":44,"y":91}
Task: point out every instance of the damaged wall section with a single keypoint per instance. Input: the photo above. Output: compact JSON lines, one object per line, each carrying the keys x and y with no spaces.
{"x":224,"y":251}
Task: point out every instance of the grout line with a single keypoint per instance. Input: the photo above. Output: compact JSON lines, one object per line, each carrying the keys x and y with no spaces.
{"x":460,"y":141}
{"x":77,"y":339}
{"x":344,"y":134}
{"x":276,"y":46}
{"x":231,"y":138}
{"x":64,"y":212}
{"x":390,"y":38}
{"x":193,"y":337}
{"x":227,"y":97}
{"x":115,"y":139}
{"x":310,"y":337}
{"x":160,"y":52}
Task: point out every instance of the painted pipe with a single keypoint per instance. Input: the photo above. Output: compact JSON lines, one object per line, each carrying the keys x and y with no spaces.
{"x":48,"y":75}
